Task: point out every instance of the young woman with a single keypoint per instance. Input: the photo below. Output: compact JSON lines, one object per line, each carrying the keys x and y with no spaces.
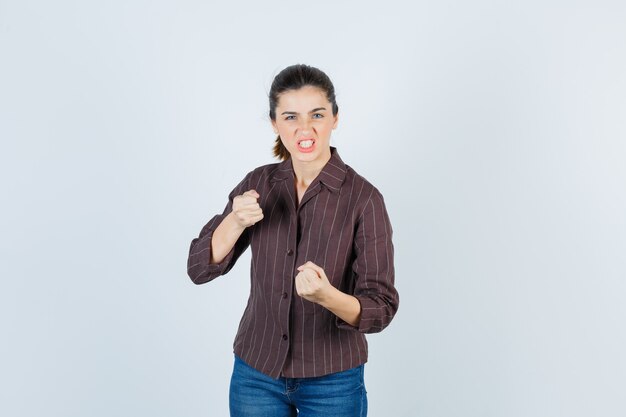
{"x":322,"y":271}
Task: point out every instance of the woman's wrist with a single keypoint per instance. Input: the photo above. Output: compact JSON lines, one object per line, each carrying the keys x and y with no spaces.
{"x":224,"y":238}
{"x":345,"y":306}
{"x":233,"y":226}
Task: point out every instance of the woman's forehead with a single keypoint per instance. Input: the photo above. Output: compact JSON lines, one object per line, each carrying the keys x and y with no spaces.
{"x":303,"y":98}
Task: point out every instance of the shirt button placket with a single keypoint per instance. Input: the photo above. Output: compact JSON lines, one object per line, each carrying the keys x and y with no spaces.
{"x":289,"y":252}
{"x":285,"y":295}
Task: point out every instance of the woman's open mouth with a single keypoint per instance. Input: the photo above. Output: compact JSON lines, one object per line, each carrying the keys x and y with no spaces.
{"x":306,"y":145}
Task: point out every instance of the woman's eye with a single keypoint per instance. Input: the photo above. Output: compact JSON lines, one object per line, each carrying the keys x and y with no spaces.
{"x":319,"y":114}
{"x":288,"y":117}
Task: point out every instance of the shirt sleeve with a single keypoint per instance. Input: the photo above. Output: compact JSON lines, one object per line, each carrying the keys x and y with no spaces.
{"x":373,"y":268}
{"x":199,"y":268}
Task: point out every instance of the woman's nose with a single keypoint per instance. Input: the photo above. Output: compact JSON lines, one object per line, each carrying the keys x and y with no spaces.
{"x":305,"y":126}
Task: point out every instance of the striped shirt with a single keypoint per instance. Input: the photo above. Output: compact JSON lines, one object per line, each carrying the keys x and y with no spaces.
{"x":341,"y":225}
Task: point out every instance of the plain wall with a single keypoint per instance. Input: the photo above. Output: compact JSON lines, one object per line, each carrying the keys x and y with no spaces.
{"x":501,"y":130}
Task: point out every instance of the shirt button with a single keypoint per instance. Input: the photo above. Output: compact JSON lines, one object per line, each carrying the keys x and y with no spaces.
{"x":284,"y":337}
{"x":289,"y":252}
{"x":284,"y":295}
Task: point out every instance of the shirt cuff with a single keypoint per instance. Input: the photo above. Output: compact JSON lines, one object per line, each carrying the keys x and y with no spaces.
{"x":370,"y":321}
{"x":344,"y":325}
{"x":215,"y":268}
{"x":225,"y":262}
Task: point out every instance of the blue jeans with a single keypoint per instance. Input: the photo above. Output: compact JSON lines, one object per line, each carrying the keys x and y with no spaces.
{"x":254,"y":394}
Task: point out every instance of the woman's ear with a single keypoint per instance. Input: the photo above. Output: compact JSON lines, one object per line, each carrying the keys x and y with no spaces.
{"x":336,"y":120}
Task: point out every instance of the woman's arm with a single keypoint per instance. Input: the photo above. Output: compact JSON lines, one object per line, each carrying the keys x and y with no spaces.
{"x":202,"y":263}
{"x":344,"y":306}
{"x":245,"y":213}
{"x":373,"y":268}
{"x":375,"y":300}
{"x":224,"y":238}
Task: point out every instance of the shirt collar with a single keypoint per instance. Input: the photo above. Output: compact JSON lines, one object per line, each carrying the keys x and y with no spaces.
{"x":332,"y":175}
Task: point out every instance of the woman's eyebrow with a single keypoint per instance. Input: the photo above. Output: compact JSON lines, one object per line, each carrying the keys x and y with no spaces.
{"x":312,"y":111}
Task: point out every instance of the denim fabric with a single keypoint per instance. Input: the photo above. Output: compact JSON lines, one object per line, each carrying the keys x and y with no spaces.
{"x":254,"y":394}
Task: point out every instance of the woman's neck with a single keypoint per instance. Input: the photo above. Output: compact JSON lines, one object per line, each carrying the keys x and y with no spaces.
{"x":306,"y":172}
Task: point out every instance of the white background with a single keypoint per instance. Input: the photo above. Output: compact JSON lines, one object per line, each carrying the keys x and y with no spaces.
{"x":495,"y":130}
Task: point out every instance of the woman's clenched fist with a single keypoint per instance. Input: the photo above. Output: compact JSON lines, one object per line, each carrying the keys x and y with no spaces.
{"x":246,"y":209}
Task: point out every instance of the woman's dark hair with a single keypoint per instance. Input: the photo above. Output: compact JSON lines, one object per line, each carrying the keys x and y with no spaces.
{"x":295,"y":77}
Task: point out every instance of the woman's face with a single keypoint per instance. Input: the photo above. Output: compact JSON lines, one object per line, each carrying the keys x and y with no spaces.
{"x":304,"y":121}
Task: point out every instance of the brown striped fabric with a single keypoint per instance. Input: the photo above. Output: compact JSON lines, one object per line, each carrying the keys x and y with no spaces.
{"x":341,"y":225}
